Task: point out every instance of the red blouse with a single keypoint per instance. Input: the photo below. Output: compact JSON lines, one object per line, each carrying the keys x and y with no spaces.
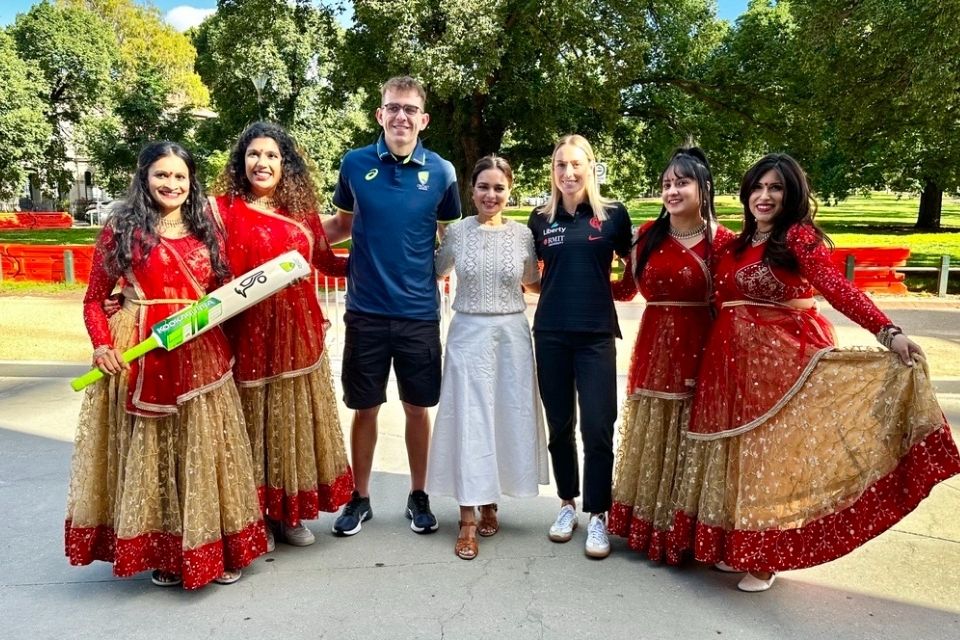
{"x":174,"y":273}
{"x":676,"y":286}
{"x":283,"y":335}
{"x":747,"y":277}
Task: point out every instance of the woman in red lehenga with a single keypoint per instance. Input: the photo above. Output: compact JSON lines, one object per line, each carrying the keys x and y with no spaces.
{"x":800,"y":452}
{"x":671,"y":255}
{"x":268,"y":207}
{"x":161,"y":475}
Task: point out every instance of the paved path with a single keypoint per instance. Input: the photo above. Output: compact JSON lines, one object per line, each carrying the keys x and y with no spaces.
{"x":388,"y":582}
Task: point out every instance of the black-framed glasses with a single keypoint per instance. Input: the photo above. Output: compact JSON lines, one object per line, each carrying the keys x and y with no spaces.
{"x":394,"y":108}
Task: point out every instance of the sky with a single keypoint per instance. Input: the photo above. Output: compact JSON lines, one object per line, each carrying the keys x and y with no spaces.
{"x":183,"y":14}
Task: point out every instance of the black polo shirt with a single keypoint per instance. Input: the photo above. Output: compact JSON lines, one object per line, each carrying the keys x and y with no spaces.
{"x":577,"y":250}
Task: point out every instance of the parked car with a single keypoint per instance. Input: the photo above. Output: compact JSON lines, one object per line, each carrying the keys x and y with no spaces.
{"x":98,"y":214}
{"x":537,"y":200}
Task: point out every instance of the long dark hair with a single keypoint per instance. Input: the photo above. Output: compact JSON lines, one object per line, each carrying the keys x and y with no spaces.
{"x":295,"y":192}
{"x":134,"y":223}
{"x":686,"y":162}
{"x":799,"y":207}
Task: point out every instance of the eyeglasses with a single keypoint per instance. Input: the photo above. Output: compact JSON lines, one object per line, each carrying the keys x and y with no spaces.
{"x":410,"y":109}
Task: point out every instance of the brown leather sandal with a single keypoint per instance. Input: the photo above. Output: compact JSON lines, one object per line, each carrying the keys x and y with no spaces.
{"x":489,"y":524}
{"x":466,"y":548}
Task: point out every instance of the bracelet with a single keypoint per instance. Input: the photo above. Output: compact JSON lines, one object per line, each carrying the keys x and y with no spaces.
{"x":886,"y":335}
{"x":101,"y":351}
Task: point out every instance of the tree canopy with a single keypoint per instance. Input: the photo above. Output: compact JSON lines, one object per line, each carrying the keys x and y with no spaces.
{"x":865,"y":93}
{"x":23,"y":128}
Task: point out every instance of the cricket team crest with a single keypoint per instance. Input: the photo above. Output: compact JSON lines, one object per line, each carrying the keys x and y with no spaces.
{"x":423,"y":177}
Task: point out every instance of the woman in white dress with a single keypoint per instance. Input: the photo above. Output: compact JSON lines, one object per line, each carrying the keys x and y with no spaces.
{"x":489,"y":436}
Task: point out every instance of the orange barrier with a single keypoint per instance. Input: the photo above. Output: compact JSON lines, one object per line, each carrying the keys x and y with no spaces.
{"x":875,"y":268}
{"x":10,"y":221}
{"x":41,"y":263}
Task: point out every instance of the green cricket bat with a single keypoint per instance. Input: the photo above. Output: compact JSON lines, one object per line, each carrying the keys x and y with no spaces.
{"x":214,"y":308}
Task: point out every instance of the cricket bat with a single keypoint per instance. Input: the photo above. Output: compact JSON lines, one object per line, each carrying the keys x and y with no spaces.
{"x":213,"y":309}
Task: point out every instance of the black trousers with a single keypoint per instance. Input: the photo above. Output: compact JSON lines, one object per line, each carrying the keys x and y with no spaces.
{"x":579,"y":368}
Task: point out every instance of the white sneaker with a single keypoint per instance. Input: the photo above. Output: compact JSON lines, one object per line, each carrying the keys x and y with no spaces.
{"x":598,"y":544}
{"x":298,"y":536}
{"x":562,"y":529}
{"x":753,"y":584}
{"x":271,"y":541}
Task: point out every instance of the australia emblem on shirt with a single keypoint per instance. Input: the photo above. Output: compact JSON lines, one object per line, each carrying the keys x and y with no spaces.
{"x":423,"y":177}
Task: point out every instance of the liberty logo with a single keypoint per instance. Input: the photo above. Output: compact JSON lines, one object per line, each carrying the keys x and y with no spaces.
{"x":371,"y":174}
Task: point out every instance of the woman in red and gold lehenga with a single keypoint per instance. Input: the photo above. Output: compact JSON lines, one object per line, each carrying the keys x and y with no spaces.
{"x":267,"y":207}
{"x":161,"y":475}
{"x":672,"y":255}
{"x":800,"y":452}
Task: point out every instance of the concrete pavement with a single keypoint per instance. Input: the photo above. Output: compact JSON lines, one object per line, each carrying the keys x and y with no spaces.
{"x":388,"y":582}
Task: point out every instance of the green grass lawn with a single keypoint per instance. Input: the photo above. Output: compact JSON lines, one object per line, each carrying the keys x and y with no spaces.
{"x":81,"y":235}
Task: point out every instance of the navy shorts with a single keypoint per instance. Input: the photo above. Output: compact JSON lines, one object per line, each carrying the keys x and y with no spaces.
{"x":372,"y":343}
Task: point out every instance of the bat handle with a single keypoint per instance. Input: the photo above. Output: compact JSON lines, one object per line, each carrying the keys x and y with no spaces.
{"x":131,"y":354}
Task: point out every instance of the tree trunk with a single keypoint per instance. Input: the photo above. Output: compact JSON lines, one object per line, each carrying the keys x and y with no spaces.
{"x":931,"y":205}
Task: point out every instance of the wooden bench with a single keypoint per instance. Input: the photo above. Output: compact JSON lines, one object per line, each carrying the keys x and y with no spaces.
{"x":874,"y":268}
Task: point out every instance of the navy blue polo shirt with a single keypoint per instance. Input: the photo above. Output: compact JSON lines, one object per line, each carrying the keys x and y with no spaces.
{"x":396,"y":205}
{"x":577,"y":249}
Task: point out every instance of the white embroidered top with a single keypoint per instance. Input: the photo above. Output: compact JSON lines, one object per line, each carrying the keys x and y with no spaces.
{"x":491,"y":263}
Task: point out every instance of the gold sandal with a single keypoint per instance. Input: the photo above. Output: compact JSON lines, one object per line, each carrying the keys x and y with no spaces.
{"x":466,"y":548}
{"x":489,"y":524}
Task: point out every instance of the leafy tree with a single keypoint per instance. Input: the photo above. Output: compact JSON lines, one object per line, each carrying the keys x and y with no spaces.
{"x":289,"y":46}
{"x":146,"y":41}
{"x":141,"y":114}
{"x":888,"y":86}
{"x":74,"y":50}
{"x":522,"y":72}
{"x":23,"y":129}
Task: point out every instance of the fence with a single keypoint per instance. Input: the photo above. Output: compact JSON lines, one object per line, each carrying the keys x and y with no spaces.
{"x":943,"y":271}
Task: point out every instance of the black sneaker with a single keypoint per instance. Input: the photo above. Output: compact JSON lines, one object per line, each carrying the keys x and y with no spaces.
{"x":354,"y":513}
{"x":422,"y":519}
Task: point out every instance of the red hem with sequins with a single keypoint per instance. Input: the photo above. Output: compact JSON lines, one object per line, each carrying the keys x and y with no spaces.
{"x":83,"y":545}
{"x":881,"y":506}
{"x":642,"y":536}
{"x":306,"y":505}
{"x":164,"y":551}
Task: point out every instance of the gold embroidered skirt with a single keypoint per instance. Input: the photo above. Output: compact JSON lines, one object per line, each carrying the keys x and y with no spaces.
{"x":299,"y":456}
{"x":857,"y":446}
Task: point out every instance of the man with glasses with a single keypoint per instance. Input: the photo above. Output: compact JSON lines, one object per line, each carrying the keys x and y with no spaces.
{"x":393,"y":197}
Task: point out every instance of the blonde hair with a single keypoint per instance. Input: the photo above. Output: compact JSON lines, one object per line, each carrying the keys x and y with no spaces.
{"x":404,"y":84}
{"x":598,"y":203}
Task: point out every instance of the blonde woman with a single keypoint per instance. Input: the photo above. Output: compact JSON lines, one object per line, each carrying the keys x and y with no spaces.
{"x":576,"y":233}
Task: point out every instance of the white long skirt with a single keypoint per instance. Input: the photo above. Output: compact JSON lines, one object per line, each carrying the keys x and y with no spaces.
{"x":489,"y":437}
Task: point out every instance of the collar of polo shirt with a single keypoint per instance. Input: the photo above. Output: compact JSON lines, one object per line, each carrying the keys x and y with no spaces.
{"x":418,"y":156}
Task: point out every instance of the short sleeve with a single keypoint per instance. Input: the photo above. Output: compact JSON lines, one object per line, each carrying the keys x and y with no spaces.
{"x":444,"y":259}
{"x":531,"y":266}
{"x":623,"y":238}
{"x":343,"y":193}
{"x":533,"y":223}
{"x":450,"y":208}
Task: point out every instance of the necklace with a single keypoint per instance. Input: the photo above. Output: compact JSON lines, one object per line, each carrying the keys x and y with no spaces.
{"x":263,"y":202}
{"x":760,"y":237}
{"x":685,"y":235}
{"x":164,"y":225}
